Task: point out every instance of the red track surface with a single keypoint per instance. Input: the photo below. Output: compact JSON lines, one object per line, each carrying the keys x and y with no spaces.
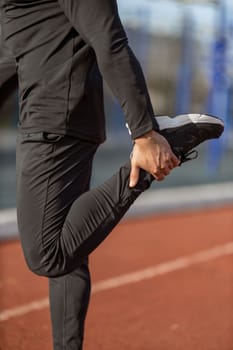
{"x":185,"y":309}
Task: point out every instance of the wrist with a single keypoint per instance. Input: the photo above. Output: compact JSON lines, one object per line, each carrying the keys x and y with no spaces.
{"x":146,"y":137}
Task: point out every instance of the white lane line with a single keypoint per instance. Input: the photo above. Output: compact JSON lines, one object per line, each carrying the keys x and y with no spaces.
{"x":134,"y":277}
{"x":164,"y":268}
{"x":24,"y":309}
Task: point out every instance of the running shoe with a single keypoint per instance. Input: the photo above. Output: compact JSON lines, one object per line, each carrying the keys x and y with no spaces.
{"x":186,"y":131}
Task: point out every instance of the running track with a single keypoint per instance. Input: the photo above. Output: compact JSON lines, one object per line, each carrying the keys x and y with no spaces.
{"x":159,"y":283}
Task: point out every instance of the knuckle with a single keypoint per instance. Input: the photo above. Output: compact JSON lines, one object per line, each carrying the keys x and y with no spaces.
{"x":157,"y":172}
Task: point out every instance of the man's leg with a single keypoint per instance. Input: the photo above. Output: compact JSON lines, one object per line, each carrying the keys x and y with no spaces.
{"x":69,"y":294}
{"x":59,"y":228}
{"x":69,"y":298}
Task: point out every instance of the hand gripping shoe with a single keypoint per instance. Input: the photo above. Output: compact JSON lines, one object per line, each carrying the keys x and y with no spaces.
{"x":186,"y":131}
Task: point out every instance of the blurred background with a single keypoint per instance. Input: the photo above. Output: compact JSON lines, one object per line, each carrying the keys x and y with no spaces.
{"x":186,"y":51}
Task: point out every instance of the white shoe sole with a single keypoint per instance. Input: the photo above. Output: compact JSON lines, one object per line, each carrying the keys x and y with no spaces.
{"x":166,"y":122}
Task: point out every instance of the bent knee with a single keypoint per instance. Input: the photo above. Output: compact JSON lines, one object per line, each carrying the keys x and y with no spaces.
{"x":35,"y":263}
{"x":46,"y":265}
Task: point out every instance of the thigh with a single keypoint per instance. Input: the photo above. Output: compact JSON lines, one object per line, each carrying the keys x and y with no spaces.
{"x":52,"y":171}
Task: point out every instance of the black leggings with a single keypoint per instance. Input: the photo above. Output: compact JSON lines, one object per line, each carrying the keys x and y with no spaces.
{"x":61,"y":221}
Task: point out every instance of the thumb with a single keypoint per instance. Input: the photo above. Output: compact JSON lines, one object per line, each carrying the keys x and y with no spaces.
{"x":134,"y":176}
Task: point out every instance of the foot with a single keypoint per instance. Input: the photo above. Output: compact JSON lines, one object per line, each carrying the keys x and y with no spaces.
{"x":185,"y":132}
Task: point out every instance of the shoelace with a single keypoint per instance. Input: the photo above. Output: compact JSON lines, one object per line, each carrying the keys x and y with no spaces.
{"x":185,"y":157}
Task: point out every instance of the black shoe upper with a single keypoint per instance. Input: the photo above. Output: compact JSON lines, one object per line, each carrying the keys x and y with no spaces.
{"x":185,"y":138}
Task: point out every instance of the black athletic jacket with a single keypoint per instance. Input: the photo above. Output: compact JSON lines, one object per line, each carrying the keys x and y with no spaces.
{"x":63,"y":48}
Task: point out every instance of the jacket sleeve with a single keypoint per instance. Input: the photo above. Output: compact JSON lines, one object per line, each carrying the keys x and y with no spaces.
{"x":99,"y":25}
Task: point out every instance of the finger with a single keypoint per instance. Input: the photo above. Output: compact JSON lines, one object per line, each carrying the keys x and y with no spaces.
{"x":166,"y":171}
{"x":134,"y":176}
{"x":159,"y":177}
{"x":175,"y":161}
{"x":163,"y":171}
{"x":167,"y":166}
{"x":169,"y":161}
{"x":170,"y":165}
{"x":160,"y":174}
